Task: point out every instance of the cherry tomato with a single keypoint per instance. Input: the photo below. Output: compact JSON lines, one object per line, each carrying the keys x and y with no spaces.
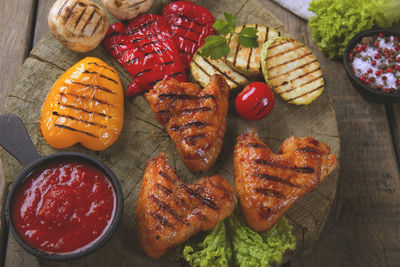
{"x":255,"y":101}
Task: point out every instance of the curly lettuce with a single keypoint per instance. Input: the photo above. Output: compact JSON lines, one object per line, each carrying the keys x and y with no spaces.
{"x":337,"y":21}
{"x":233,"y":243}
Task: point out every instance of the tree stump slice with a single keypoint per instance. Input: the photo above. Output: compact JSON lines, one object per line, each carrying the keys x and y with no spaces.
{"x":143,"y":137}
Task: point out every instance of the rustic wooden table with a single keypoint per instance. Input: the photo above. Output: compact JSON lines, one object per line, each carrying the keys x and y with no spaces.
{"x":363,"y":228}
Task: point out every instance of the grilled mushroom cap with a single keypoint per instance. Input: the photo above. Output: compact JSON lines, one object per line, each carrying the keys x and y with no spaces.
{"x":127,"y":9}
{"x":80,"y":25}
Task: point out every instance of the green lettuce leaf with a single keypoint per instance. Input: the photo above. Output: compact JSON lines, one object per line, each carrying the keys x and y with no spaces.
{"x":233,"y":243}
{"x":337,"y":21}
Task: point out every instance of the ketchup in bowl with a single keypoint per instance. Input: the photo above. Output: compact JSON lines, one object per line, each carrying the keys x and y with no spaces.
{"x":64,"y":207}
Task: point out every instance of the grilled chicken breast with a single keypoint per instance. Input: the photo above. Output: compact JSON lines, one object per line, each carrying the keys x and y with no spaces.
{"x":169,"y":211}
{"x":268,"y":184}
{"x":195,"y":119}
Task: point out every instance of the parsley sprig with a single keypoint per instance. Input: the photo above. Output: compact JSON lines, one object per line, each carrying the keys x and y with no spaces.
{"x":216,"y":46}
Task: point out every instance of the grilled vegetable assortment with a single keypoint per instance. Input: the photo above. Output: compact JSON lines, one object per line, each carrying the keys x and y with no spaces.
{"x":146,"y":50}
{"x":292,"y":70}
{"x":80,"y":25}
{"x":85,"y":105}
{"x":169,"y":211}
{"x":189,"y":24}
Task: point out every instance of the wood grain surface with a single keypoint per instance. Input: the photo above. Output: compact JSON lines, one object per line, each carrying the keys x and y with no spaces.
{"x":142,"y":138}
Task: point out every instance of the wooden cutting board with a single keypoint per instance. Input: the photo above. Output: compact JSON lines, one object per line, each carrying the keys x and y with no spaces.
{"x":143,"y":137}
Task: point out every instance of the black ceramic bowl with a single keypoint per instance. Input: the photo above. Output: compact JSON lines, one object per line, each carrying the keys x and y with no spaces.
{"x":14,"y":138}
{"x":365,"y":91}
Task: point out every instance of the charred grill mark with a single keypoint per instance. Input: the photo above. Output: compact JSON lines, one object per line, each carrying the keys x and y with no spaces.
{"x":167,"y":208}
{"x":188,"y":39}
{"x":156,"y":52}
{"x":301,"y":76}
{"x":101,"y":76}
{"x":191,"y":139}
{"x":152,"y":42}
{"x":201,"y":68}
{"x":163,"y":174}
{"x":155,"y":81}
{"x":237,"y":49}
{"x":175,"y":74}
{"x":96,"y":27}
{"x":75,"y":130}
{"x":188,"y":125}
{"x":299,"y":67}
{"x":284,"y":52}
{"x":276,"y":45}
{"x":70,"y":11}
{"x":87,"y":98}
{"x":88,"y":20}
{"x":142,"y":72}
{"x":162,"y":220}
{"x":309,"y":92}
{"x":258,"y":103}
{"x":185,"y":28}
{"x":79,"y":18}
{"x":277,"y":179}
{"x":269,"y":192}
{"x":184,"y":96}
{"x":116,"y":45}
{"x":163,"y":112}
{"x":204,"y":200}
{"x":191,"y":20}
{"x":163,"y":188}
{"x":304,"y":169}
{"x":290,"y":61}
{"x":131,"y":60}
{"x":185,"y":52}
{"x":191,"y":110}
{"x":101,"y":66}
{"x":62,"y":7}
{"x":145,"y":25}
{"x":307,"y":82}
{"x":250,"y":54}
{"x":84,"y":110}
{"x":95,"y":87}
{"x":308,"y":149}
{"x":167,"y":63}
{"x":55,"y":113}
{"x":221,"y":72}
{"x":265,"y":212}
{"x":266,"y":34}
{"x":256,"y":145}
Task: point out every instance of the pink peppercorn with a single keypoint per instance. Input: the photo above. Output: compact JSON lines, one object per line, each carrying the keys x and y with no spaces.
{"x":378,"y":73}
{"x":373,"y":62}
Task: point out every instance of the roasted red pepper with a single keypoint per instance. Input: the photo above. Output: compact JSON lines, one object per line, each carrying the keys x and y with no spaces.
{"x":189,"y":25}
{"x":146,"y":50}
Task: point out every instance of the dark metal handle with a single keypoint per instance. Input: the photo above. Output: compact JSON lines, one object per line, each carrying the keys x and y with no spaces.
{"x":15,"y":139}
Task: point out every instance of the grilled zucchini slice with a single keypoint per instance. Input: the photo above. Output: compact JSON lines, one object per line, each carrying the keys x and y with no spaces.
{"x":203,"y":68}
{"x":291,"y":70}
{"x":246,"y":59}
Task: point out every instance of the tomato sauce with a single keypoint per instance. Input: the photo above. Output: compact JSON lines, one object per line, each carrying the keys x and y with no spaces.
{"x":64,"y":207}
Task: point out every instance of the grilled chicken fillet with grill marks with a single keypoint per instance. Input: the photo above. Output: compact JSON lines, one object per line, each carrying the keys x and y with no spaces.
{"x":169,"y":211}
{"x":268,"y":184}
{"x":195,"y":119}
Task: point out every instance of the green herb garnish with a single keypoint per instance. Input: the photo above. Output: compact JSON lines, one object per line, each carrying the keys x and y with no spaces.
{"x":217,"y":46}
